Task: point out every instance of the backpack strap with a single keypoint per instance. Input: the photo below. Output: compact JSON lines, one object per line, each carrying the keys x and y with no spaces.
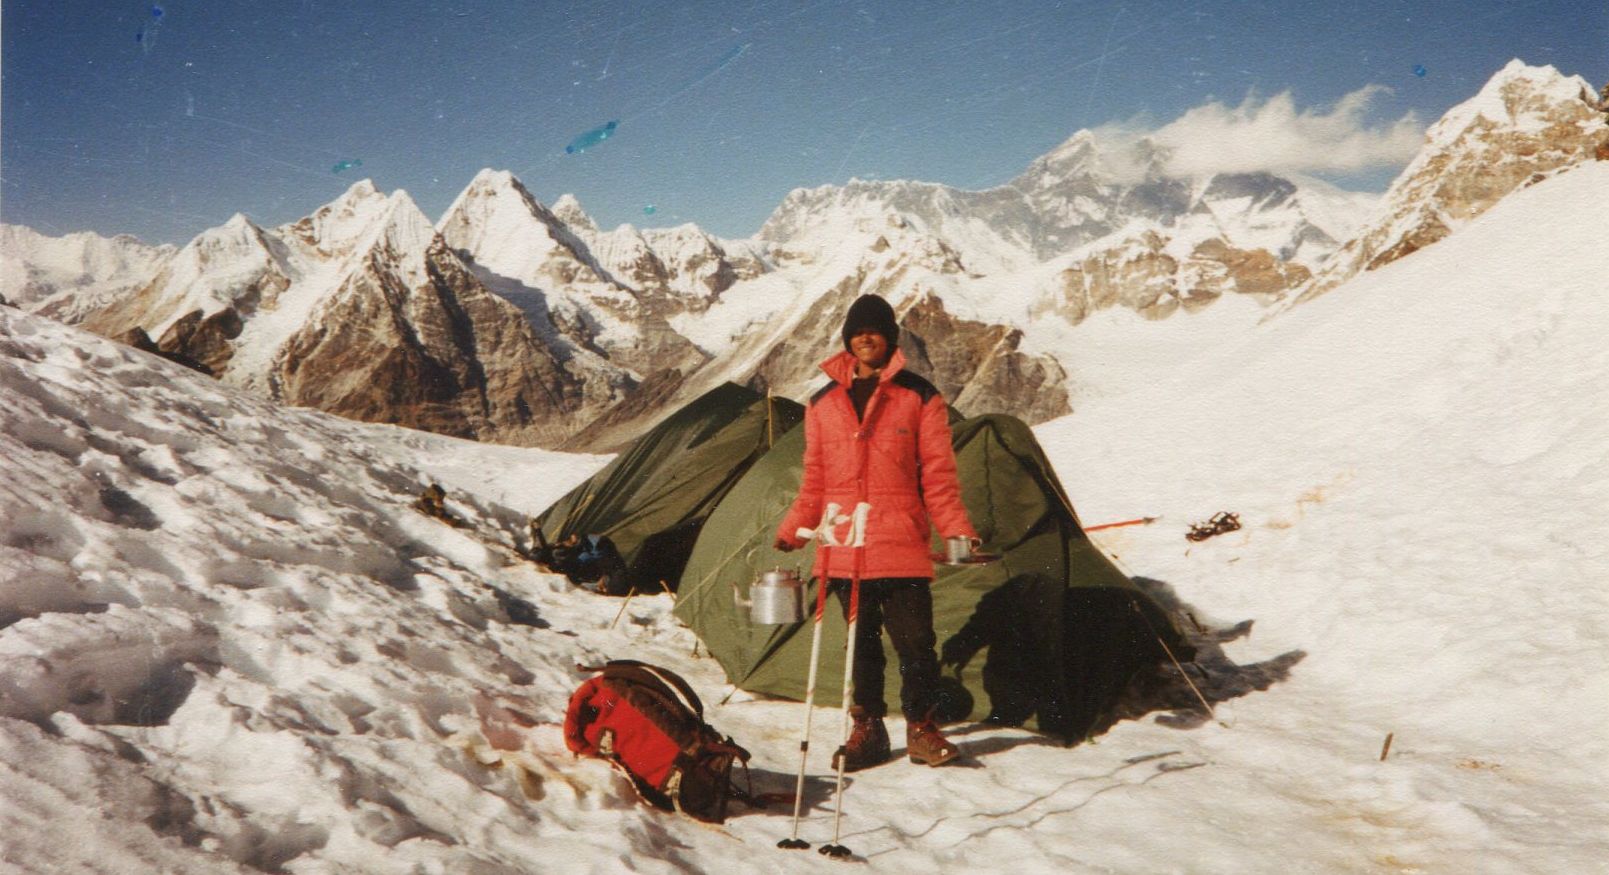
{"x":642,"y":672}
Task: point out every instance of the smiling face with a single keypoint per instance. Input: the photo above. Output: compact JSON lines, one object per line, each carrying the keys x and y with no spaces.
{"x":870,"y":350}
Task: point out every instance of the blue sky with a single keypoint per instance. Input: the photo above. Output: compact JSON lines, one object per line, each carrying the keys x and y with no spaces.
{"x":164,"y":118}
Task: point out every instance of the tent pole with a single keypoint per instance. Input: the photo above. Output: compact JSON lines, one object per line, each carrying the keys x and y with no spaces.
{"x":1135,"y":604}
{"x":623,"y":605}
{"x":1182,"y":673}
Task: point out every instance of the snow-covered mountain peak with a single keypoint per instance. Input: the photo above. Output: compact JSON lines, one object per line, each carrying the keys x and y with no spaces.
{"x":489,"y":178}
{"x":1525,"y":124}
{"x":499,"y":203}
{"x":363,"y":189}
{"x":1076,"y":155}
{"x":827,"y":213}
{"x":221,"y":268}
{"x":239,"y":238}
{"x":1519,"y":97}
{"x":1086,"y":161}
{"x":568,"y":210}
{"x":509,"y":232}
{"x":1543,"y":78}
{"x":69,"y":277}
{"x":1256,"y":189}
{"x":405,"y":228}
{"x":355,"y":198}
{"x":336,"y":226}
{"x":498,"y":185}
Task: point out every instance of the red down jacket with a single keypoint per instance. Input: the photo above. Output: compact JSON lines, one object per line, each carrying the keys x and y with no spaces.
{"x":898,"y":459}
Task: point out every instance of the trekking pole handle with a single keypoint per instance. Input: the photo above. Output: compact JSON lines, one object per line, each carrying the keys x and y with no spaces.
{"x":857,"y":528}
{"x":824,"y":530}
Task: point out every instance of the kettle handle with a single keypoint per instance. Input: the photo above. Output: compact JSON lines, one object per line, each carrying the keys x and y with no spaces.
{"x":748,"y":559}
{"x":737,"y":588}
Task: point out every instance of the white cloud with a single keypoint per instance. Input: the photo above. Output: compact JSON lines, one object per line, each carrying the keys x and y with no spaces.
{"x":1274,"y":135}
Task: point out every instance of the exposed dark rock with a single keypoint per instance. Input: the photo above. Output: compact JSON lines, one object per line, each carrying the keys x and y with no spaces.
{"x":205,"y":340}
{"x":448,"y":357}
{"x":137,"y":338}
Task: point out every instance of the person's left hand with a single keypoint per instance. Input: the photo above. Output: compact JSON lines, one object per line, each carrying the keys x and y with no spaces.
{"x":955,"y":654}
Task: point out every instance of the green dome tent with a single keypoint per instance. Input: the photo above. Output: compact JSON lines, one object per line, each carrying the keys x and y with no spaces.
{"x":1051,"y":632}
{"x":653,"y":498}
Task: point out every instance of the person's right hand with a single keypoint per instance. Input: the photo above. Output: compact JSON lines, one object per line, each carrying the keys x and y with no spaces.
{"x":784,"y":545}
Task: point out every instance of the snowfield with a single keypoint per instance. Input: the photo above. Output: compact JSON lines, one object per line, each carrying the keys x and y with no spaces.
{"x":228,"y":644}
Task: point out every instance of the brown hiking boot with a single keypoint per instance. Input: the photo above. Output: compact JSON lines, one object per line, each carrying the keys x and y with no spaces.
{"x":926,"y":745}
{"x":867,"y":745}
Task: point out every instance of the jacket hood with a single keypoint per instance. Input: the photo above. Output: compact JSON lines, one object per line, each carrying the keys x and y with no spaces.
{"x":841,"y":367}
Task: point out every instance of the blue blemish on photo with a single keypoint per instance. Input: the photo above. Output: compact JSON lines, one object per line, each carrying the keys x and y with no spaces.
{"x":591,"y":138}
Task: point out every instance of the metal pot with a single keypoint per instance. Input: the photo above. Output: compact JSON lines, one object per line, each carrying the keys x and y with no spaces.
{"x":776,"y":599}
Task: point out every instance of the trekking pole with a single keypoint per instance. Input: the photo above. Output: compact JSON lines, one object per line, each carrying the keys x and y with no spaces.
{"x":827,"y":541}
{"x":857,"y":540}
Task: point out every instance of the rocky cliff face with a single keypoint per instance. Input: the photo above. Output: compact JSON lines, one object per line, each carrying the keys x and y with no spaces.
{"x":679,"y":270}
{"x":977,"y":364}
{"x":1155,"y":276}
{"x":436,"y":352}
{"x":223,"y":276}
{"x":1526,"y":123}
{"x":529,"y":255}
{"x":359,"y":309}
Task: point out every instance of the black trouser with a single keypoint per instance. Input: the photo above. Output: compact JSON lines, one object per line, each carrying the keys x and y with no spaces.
{"x":903,"y":606}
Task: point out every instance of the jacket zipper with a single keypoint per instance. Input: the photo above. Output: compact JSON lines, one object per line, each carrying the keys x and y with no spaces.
{"x":863,"y":436}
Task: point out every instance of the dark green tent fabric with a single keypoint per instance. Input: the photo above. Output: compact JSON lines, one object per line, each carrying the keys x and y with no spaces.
{"x":1051,"y":633}
{"x":653,"y":498}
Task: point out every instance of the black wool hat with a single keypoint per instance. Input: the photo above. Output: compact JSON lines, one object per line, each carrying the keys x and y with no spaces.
{"x":870,"y":311}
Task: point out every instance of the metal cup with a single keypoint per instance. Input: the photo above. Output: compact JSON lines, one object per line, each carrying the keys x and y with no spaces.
{"x":957,"y":550}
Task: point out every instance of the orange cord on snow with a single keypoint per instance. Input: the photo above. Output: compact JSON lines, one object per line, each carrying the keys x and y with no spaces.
{"x":1139,"y":522}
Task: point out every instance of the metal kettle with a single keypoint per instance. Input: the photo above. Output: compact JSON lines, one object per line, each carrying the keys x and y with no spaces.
{"x":775,"y":599}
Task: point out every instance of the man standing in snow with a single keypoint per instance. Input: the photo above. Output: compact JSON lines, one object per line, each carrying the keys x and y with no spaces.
{"x":878,"y":433}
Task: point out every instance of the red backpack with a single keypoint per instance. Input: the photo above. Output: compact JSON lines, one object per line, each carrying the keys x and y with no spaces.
{"x":650,"y":724}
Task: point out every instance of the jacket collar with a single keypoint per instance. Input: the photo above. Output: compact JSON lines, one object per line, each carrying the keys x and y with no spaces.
{"x":841,"y":367}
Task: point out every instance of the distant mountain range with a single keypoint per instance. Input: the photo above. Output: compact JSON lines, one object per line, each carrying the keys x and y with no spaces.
{"x":516,"y":322}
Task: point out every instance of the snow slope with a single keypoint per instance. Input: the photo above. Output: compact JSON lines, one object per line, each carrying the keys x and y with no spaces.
{"x":1419,"y":465}
{"x":227,"y":643}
